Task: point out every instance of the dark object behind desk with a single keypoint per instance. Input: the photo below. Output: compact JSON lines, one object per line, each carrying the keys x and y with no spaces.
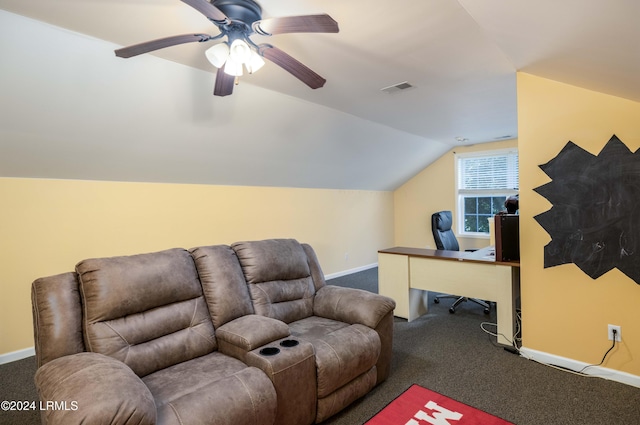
{"x":507,"y":229}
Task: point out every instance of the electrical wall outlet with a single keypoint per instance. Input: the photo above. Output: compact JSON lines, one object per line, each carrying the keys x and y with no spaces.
{"x":610,"y":329}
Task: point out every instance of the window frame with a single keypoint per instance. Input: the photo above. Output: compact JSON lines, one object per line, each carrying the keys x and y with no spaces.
{"x":460,"y":193}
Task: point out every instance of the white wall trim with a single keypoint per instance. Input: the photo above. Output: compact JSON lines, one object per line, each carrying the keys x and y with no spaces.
{"x":575,"y":365}
{"x":17,"y":355}
{"x":350,"y":271}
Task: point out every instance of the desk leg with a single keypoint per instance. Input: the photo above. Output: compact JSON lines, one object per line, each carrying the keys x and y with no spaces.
{"x":418,"y":303}
{"x":506,"y":305}
{"x":393,"y":281}
{"x":515,"y":285}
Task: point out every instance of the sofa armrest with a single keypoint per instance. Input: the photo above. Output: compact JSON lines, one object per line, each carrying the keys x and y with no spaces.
{"x":352,"y":305}
{"x":90,"y":388}
{"x":239,"y":336}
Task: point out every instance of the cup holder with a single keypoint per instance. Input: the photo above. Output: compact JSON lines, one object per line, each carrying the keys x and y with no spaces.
{"x":269,"y":351}
{"x":288,"y":343}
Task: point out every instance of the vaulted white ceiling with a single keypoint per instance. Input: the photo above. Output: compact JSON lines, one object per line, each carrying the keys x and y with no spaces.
{"x":71,"y":109}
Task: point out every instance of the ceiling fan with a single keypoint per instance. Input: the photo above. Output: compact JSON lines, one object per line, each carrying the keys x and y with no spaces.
{"x":238,"y":20}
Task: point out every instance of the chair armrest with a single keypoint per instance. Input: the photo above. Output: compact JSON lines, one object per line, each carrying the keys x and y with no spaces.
{"x":90,"y":388}
{"x":239,"y":336}
{"x":352,"y":305}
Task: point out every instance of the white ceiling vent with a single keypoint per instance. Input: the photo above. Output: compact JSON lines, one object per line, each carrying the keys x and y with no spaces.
{"x":397,"y":87}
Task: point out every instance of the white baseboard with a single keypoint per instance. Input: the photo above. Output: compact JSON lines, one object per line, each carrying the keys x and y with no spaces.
{"x":17,"y":355}
{"x":350,"y":271}
{"x":575,"y":365}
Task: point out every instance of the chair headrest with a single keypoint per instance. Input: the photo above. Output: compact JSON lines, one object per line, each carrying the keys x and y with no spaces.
{"x":442,"y":220}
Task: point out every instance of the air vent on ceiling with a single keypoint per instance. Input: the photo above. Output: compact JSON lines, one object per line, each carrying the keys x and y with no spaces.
{"x":397,"y":87}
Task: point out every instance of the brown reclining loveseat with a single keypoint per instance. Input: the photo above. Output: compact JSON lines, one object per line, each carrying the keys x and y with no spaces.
{"x":243,"y":334}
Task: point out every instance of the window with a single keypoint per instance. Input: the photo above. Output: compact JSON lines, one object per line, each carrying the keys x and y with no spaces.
{"x":484,"y":180}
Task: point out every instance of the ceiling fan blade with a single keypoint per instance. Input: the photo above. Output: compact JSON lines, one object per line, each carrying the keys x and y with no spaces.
{"x":224,"y":83}
{"x":207,"y":9}
{"x":291,"y":65}
{"x":160,"y":43}
{"x":289,"y":24}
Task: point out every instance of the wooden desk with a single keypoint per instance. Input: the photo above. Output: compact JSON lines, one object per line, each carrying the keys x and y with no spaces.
{"x":406,"y":274}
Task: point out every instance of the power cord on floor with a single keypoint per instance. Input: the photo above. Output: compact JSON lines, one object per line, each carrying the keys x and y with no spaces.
{"x":581,"y":371}
{"x":515,"y":350}
{"x":514,"y":341}
{"x":615,"y":335}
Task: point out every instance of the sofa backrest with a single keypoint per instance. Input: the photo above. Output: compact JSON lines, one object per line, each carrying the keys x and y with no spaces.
{"x":225,"y":289}
{"x":279,"y":277}
{"x":145,"y":310}
{"x":141,"y":293}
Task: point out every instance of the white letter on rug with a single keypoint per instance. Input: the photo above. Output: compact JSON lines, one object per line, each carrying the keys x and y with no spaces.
{"x":440,"y":417}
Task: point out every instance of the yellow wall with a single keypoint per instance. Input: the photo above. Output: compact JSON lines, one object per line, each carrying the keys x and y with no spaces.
{"x":433,"y":190}
{"x":565,"y":312}
{"x":47,"y":226}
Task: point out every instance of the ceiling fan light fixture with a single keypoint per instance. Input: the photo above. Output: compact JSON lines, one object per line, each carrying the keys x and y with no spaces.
{"x":238,"y":20}
{"x":255,"y":63}
{"x":231,"y":67}
{"x":217,"y":54}
{"x":239,"y":51}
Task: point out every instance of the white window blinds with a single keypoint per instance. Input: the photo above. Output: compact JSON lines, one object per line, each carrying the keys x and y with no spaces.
{"x":495,"y":171}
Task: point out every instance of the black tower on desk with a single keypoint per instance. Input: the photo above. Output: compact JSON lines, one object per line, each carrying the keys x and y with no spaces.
{"x":507,"y":231}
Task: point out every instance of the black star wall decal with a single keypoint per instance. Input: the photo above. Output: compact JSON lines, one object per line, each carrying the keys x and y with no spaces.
{"x":595,"y":218}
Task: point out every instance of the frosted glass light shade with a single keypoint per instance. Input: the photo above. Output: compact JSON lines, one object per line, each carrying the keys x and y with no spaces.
{"x":233,"y":68}
{"x":239,"y":51}
{"x":255,"y":62}
{"x":218,"y":54}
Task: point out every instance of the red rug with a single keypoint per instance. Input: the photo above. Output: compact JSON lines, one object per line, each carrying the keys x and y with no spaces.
{"x":420,"y":406}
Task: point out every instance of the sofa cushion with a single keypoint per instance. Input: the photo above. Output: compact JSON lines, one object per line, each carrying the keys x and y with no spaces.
{"x":222,"y":282}
{"x":314,"y":267}
{"x":280,"y":282}
{"x":314,"y":327}
{"x":343,"y":351}
{"x":213,"y":389}
{"x":272,"y":259}
{"x":145,"y":310}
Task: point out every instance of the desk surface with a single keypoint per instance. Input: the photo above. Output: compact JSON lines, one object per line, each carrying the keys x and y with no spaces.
{"x":484,"y":255}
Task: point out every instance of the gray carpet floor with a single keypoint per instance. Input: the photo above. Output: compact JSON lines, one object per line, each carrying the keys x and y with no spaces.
{"x":450,"y":354}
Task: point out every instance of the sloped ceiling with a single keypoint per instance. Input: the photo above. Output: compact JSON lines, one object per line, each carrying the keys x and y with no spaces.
{"x":71,"y":109}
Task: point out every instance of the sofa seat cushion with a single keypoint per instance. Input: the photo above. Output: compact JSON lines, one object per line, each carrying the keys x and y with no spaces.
{"x":315,"y":327}
{"x":213,"y":389}
{"x":343,"y":351}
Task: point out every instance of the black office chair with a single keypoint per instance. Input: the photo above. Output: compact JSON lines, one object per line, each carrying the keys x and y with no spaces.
{"x":445,"y":239}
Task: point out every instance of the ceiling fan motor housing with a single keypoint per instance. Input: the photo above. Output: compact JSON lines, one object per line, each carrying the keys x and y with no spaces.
{"x":247,"y":11}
